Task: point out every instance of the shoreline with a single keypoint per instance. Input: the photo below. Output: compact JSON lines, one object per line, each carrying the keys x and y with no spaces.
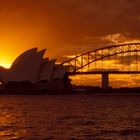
{"x":69,"y":92}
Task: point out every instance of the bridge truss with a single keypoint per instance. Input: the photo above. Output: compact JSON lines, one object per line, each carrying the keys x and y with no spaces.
{"x":124,"y":57}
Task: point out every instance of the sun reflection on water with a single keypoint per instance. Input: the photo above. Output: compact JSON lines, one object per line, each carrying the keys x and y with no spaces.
{"x":9,"y":123}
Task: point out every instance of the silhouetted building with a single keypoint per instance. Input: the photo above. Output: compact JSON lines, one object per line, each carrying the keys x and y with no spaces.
{"x":32,"y":67}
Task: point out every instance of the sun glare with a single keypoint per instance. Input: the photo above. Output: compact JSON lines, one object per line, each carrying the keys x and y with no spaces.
{"x":5,"y":63}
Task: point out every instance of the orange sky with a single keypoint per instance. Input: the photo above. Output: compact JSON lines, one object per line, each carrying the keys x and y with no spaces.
{"x":65,"y":27}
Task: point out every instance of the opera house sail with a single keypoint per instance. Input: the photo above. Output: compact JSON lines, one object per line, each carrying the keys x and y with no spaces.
{"x":47,"y":70}
{"x":31,"y":66}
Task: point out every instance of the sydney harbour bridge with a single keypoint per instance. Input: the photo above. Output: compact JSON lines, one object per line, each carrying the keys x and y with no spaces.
{"x":116,"y":59}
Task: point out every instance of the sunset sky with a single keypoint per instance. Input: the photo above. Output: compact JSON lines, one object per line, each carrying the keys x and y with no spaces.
{"x":65,"y":27}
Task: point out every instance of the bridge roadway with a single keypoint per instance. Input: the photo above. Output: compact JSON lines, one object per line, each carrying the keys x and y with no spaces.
{"x":102,"y":72}
{"x":105,"y":75}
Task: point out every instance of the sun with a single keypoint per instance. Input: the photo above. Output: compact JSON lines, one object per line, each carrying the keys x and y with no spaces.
{"x":5,"y":63}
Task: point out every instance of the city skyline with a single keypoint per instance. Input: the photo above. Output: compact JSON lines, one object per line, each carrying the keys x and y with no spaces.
{"x":65,"y":28}
{"x":69,"y":69}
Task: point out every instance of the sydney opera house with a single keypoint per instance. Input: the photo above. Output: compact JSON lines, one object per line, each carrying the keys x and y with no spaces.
{"x":31,"y":66}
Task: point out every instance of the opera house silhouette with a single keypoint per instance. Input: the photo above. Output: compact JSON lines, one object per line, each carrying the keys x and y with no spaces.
{"x":31,"y":66}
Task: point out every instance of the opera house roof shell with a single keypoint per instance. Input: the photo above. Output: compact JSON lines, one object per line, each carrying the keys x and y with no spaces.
{"x":31,"y":66}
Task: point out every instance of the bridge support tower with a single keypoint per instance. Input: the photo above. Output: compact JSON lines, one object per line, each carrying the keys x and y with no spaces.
{"x":105,"y":80}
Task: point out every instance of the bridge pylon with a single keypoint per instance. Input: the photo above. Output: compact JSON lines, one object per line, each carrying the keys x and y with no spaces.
{"x":105,"y":80}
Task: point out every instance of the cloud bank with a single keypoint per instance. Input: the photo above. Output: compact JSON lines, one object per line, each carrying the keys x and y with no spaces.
{"x":64,"y":27}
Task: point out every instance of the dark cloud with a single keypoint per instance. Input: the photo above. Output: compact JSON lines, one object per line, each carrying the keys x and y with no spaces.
{"x":68,"y":26}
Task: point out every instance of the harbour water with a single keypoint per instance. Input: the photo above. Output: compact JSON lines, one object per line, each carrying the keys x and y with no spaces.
{"x":70,"y":117}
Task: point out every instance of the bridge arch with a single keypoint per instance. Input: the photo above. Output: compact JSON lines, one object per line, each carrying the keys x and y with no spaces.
{"x":81,"y":61}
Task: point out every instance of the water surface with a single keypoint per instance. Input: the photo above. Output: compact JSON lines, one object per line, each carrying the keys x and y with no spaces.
{"x":70,"y":117}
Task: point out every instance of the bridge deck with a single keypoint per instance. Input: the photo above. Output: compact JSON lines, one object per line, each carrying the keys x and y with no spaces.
{"x":102,"y":72}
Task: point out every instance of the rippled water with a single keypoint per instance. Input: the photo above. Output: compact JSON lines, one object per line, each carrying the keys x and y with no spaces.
{"x":71,"y":117}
